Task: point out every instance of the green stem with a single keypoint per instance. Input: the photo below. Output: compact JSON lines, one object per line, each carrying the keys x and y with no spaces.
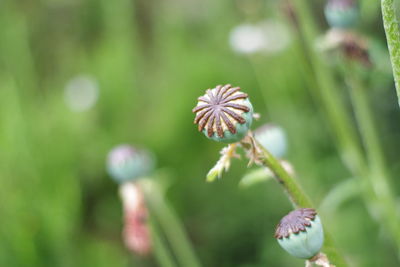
{"x":393,"y":39}
{"x":328,"y":93}
{"x":161,"y":252}
{"x":298,"y":198}
{"x":170,"y":224}
{"x":296,"y":194}
{"x":340,"y":120}
{"x":378,"y":176}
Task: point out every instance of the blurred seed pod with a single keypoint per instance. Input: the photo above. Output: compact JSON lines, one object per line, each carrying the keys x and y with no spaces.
{"x":81,"y":93}
{"x":342,"y":13}
{"x":273,"y":138}
{"x":300,"y":233}
{"x":126,"y":163}
{"x":357,"y":50}
{"x":224,"y":114}
{"x":352,"y":45}
{"x":136,"y":233}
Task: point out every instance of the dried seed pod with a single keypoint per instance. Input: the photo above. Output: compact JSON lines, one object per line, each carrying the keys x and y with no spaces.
{"x":126,"y":163}
{"x":342,"y":13}
{"x":356,"y":49}
{"x":347,"y":43}
{"x":273,"y":138}
{"x":300,"y":233}
{"x":224,"y":114}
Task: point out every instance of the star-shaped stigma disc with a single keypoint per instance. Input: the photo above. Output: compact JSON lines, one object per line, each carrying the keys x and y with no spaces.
{"x":295,"y":222}
{"x":220,"y":109}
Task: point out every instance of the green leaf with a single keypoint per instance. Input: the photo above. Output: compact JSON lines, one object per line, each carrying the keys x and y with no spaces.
{"x":339,"y":194}
{"x":256,"y":176}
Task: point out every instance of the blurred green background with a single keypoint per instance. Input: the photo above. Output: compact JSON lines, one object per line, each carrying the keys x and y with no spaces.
{"x":150,"y":60}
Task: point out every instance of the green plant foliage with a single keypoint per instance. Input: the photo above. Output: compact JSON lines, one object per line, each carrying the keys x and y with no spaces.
{"x":150,"y":60}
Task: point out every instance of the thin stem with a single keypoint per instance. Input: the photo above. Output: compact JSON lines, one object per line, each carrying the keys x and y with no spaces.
{"x":393,"y":39}
{"x":351,"y":150}
{"x":328,"y":93}
{"x":161,"y":252}
{"x":378,"y":175}
{"x":170,"y":224}
{"x":296,"y":194}
{"x":298,"y":198}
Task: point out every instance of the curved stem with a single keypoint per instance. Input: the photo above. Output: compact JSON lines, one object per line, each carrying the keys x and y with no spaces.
{"x":378,"y":176}
{"x":170,"y":224}
{"x":374,"y":180}
{"x":328,"y":93}
{"x":393,"y":39}
{"x":296,"y":194}
{"x":161,"y":252}
{"x":298,"y":198}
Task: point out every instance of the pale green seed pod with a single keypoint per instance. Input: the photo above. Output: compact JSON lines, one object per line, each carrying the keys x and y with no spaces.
{"x":342,"y":13}
{"x":273,"y":138}
{"x":224,"y":114}
{"x":300,"y":233}
{"x":126,"y":163}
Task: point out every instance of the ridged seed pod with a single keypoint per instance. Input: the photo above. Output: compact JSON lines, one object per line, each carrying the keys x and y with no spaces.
{"x":126,"y":163}
{"x":342,"y":13}
{"x":273,"y":138}
{"x":300,"y":233}
{"x":224,"y":114}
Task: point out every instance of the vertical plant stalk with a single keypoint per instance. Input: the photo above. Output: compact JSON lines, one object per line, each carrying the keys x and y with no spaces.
{"x":391,"y":26}
{"x":298,"y":198}
{"x":328,"y":93}
{"x":379,"y":175}
{"x":161,"y":251}
{"x":296,"y":194}
{"x":351,"y":150}
{"x":170,"y":224}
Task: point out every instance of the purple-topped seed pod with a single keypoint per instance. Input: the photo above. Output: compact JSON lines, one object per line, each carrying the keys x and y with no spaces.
{"x":224,"y":114}
{"x":342,"y":13}
{"x":126,"y":163}
{"x":300,"y":233}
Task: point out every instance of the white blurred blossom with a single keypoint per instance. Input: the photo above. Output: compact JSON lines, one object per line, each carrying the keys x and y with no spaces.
{"x":332,"y":39}
{"x":268,"y":36}
{"x":81,"y":93}
{"x":131,"y":196}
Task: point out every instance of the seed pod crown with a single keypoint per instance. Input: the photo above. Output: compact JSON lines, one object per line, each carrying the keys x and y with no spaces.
{"x":300,"y":233}
{"x":295,"y":222}
{"x":224,"y":114}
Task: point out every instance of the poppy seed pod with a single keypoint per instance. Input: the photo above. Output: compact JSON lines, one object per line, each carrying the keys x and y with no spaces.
{"x":126,"y":163}
{"x":224,"y":114}
{"x":342,"y":13}
{"x":273,"y":138}
{"x":300,"y":233}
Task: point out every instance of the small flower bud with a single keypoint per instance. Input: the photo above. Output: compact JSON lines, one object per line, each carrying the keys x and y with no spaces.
{"x":224,"y":114}
{"x":300,"y":233}
{"x":273,"y":138}
{"x":126,"y":163}
{"x":342,"y":13}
